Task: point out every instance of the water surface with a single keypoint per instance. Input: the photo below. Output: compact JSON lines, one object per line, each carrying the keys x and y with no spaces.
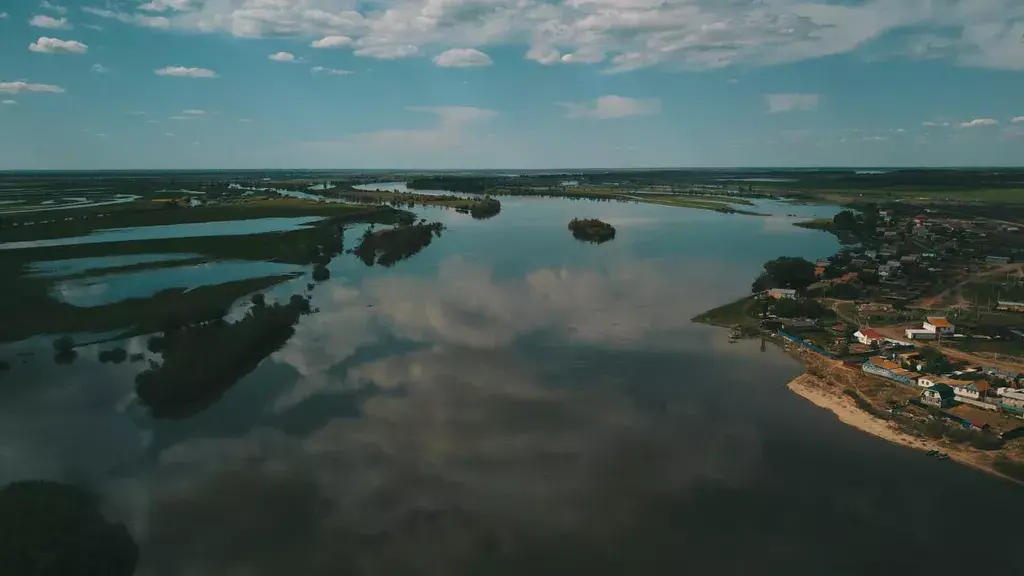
{"x":509,"y":401}
{"x":227,"y":228}
{"x":73,"y":266}
{"x":111,"y":288}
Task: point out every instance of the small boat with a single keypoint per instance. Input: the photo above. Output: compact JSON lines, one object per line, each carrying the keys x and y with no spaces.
{"x":932,"y":453}
{"x":732,"y":341}
{"x":942,"y":456}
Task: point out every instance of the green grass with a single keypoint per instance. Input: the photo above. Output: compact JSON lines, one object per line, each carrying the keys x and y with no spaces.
{"x":731,"y":314}
{"x":27,"y":309}
{"x":816,"y":224}
{"x":148,"y":213}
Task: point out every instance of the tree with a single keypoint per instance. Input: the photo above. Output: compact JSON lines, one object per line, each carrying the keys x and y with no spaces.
{"x":787,"y":272}
{"x":845,"y":220}
{"x":867,"y":277}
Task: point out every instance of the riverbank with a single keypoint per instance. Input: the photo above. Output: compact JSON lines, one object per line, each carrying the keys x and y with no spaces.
{"x":828,"y":394}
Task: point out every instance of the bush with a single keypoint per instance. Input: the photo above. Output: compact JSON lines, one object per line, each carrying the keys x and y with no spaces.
{"x":1009,"y":467}
{"x":986,"y":441}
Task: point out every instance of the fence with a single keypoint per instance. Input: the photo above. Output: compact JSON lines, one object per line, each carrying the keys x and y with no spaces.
{"x":812,"y":347}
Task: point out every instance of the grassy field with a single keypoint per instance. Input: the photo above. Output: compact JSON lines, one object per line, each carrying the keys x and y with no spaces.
{"x":737,"y":313}
{"x":28,"y":309}
{"x":155,"y":213}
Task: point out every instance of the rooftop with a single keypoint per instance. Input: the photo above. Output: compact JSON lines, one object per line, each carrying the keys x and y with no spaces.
{"x":939,"y":322}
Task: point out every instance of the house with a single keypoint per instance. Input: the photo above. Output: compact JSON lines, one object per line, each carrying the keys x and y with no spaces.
{"x":822,"y":263}
{"x":871,"y":254}
{"x":939,"y":325}
{"x":819,"y":271}
{"x":1013,"y":393}
{"x":919,"y":334}
{"x":866,"y":336}
{"x":940,"y":395}
{"x":1010,"y":306}
{"x":973,"y":390}
{"x":780,"y":293}
{"x":879,"y":366}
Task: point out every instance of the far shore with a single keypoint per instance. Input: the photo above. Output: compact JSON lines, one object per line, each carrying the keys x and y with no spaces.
{"x":828,"y":395}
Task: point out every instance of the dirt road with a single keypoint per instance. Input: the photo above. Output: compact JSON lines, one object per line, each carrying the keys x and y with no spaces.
{"x":1003,"y":364}
{"x":929,"y":303}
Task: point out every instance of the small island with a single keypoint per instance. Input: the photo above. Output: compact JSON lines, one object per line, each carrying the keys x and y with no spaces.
{"x":591,"y":230}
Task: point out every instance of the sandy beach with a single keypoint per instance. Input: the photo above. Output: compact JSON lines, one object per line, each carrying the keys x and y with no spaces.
{"x":825,"y":394}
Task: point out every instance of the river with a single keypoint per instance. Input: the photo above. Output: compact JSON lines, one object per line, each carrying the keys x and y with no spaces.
{"x":512,"y":401}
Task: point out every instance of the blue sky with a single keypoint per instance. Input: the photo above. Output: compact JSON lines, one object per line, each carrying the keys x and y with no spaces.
{"x":110,"y":84}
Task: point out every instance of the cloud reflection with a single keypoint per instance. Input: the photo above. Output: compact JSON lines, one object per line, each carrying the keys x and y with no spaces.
{"x":469,"y":448}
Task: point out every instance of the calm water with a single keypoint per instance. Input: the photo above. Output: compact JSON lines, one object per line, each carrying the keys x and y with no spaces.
{"x":111,"y":288}
{"x":74,"y":266}
{"x":511,"y":401}
{"x":229,"y":228}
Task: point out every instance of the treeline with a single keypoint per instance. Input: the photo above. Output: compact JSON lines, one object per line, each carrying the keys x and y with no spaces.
{"x":591,"y":230}
{"x":202,"y":361}
{"x":388,"y":247}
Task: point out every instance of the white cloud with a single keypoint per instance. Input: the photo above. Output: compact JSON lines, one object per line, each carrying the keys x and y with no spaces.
{"x":193,"y":112}
{"x":388,"y":51}
{"x":586,"y":55}
{"x":543,"y":54}
{"x":20,"y":86}
{"x":1018,"y":120}
{"x":4,"y":15}
{"x":183,"y":72}
{"x":979,"y":122}
{"x":152,"y":121}
{"x":169,"y":134}
{"x":690,"y":34}
{"x":47,"y":45}
{"x":329,"y":71}
{"x":100,"y":68}
{"x":936,"y":124}
{"x":332,"y":42}
{"x":451,"y":130}
{"x":164,"y":5}
{"x":159,"y":22}
{"x":9,"y":102}
{"x":611,"y":106}
{"x":53,"y":7}
{"x":779,"y":103}
{"x":282,"y":57}
{"x":245,"y":120}
{"x":462,"y":58}
{"x":43,"y":21}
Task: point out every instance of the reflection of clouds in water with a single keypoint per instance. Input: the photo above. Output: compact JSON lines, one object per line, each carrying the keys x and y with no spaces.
{"x":324,"y":339}
{"x":627,"y":306}
{"x":63,"y":423}
{"x":632,"y":305}
{"x":475,"y":449}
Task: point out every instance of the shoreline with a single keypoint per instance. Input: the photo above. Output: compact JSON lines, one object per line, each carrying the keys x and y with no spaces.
{"x":827,"y":394}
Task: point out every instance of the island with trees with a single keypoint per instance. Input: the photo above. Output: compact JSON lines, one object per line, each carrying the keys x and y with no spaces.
{"x":591,"y":230}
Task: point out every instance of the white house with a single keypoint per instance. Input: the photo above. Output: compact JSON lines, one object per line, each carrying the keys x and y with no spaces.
{"x":939,"y":325}
{"x":866,"y":336}
{"x":927,"y":381}
{"x":919,"y":334}
{"x":779,"y":293}
{"x":1015,"y":393}
{"x":971,"y":391}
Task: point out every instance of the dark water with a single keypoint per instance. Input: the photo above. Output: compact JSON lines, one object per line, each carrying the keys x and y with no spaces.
{"x":511,"y":401}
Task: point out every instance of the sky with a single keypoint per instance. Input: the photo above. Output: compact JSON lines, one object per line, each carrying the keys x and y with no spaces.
{"x":448,"y":84}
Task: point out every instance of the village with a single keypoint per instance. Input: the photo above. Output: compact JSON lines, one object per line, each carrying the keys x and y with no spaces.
{"x":919,"y":316}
